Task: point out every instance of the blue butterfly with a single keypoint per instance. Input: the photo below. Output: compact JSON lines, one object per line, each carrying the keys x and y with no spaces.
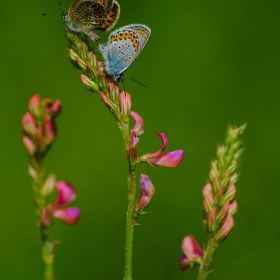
{"x":123,"y":47}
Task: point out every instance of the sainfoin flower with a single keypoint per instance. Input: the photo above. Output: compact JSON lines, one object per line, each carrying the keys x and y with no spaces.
{"x":66,"y":195}
{"x":171,"y":159}
{"x":192,"y":252}
{"x":147,"y":192}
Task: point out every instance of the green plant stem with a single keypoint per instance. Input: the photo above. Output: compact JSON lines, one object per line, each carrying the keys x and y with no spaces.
{"x":130,"y":222}
{"x":47,"y":246}
{"x":211,"y":247}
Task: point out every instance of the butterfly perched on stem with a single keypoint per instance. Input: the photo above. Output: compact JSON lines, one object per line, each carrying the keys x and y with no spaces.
{"x":123,"y":46}
{"x":86,"y":16}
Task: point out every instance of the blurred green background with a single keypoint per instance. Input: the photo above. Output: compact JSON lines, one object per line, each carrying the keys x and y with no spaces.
{"x":207,"y":64}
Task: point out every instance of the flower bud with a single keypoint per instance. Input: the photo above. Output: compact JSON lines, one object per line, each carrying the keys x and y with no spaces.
{"x":49,"y":131}
{"x":223,"y":213}
{"x":34,"y":105}
{"x":29,"y":124}
{"x":230,"y":193}
{"x":226,"y":229}
{"x":48,"y":186}
{"x":125,"y":102}
{"x":208,"y":202}
{"x":211,"y":220}
{"x":89,"y":83}
{"x":28,"y":144}
{"x":233,"y":207}
{"x":207,"y":189}
{"x":192,"y":253}
{"x":147,"y":192}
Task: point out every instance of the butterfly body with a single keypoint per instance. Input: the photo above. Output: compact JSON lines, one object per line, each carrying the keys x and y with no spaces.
{"x":123,"y":47}
{"x":86,"y":16}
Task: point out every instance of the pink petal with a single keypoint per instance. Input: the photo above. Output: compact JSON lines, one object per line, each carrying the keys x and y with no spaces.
{"x":171,"y":159}
{"x":139,"y":123}
{"x":163,"y":147}
{"x":66,"y":194}
{"x":68,"y":215}
{"x":191,"y":248}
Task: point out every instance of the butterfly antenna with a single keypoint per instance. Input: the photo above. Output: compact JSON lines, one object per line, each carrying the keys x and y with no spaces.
{"x":62,"y":6}
{"x":50,"y":14}
{"x":137,"y":82}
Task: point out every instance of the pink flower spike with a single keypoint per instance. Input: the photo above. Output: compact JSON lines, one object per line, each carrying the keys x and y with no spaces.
{"x":34,"y":105}
{"x":147,"y":192}
{"x":139,"y":124}
{"x":66,"y":194}
{"x":68,"y":215}
{"x":192,"y":252}
{"x":171,"y":160}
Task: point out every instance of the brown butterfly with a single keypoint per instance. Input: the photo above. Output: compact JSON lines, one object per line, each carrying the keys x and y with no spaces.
{"x":85,"y":16}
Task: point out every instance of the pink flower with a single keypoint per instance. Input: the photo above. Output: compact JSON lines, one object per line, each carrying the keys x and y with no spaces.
{"x":66,"y":195}
{"x":171,"y":159}
{"x":147,"y":192}
{"x":137,"y":129}
{"x":192,"y":252}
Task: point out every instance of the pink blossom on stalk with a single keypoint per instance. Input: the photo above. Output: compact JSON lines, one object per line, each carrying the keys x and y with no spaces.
{"x":66,"y":195}
{"x":147,"y":192}
{"x":171,"y":159}
{"x":192,"y":252}
{"x":55,"y":109}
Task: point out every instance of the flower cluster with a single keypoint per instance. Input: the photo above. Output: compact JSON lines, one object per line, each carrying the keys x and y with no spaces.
{"x":39,"y":133}
{"x":66,"y":195}
{"x":219,"y":201}
{"x":38,"y":124}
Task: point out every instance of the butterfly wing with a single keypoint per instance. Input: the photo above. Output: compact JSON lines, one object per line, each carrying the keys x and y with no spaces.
{"x":124,"y":46}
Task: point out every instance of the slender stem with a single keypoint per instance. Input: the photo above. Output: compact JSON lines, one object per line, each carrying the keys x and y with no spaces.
{"x":203,"y":272}
{"x":129,"y":226}
{"x":47,"y":246}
